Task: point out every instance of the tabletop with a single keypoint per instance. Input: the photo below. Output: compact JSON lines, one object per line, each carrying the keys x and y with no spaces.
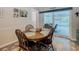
{"x":37,"y":35}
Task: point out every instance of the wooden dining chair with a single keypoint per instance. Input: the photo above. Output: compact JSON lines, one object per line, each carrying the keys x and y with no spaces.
{"x":47,"y":26}
{"x":56,"y":26}
{"x":28,"y":27}
{"x":46,"y":41}
{"x":24,"y":42}
{"x":49,"y":40}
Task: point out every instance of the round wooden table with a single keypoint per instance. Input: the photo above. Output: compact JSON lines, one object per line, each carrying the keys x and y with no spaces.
{"x":36,"y":36}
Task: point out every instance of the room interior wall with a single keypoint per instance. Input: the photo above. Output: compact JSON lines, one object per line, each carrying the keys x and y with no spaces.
{"x":74,"y":22}
{"x":8,"y":24}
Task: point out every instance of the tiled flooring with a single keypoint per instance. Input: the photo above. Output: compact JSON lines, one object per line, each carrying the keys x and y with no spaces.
{"x":60,"y":44}
{"x":12,"y":47}
{"x":64,"y":44}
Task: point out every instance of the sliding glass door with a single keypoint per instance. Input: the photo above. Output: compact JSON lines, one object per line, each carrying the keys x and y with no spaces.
{"x":48,"y":19}
{"x":61,"y":18}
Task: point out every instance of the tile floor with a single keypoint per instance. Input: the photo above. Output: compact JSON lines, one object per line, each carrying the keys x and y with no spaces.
{"x":60,"y":44}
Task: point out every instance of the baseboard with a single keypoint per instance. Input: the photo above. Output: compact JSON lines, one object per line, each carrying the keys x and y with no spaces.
{"x":4,"y":45}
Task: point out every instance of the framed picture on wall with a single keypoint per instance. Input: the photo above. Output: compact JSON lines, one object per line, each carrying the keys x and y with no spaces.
{"x":20,"y":13}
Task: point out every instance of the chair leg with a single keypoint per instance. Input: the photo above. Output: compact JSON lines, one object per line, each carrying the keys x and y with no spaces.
{"x":52,"y":46}
{"x":29,"y":49}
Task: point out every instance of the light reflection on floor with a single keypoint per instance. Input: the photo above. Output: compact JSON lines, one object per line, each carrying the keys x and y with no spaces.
{"x":60,"y":44}
{"x":64,"y":44}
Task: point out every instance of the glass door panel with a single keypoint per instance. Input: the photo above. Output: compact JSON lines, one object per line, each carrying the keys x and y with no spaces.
{"x":48,"y":18}
{"x":61,"y":18}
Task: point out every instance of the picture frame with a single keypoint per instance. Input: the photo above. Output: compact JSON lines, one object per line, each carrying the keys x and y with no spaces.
{"x":20,"y":13}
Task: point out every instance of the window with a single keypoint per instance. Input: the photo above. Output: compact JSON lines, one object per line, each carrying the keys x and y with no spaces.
{"x":48,"y":18}
{"x":61,"y":18}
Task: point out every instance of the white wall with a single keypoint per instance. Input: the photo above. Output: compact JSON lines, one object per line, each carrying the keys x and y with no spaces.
{"x":8,"y":24}
{"x":41,"y":18}
{"x":36,"y":18}
{"x":75,"y":21}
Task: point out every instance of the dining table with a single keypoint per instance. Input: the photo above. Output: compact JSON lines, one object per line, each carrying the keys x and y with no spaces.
{"x":37,"y":35}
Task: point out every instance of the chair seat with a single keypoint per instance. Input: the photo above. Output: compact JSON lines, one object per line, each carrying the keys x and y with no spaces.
{"x":30,"y":43}
{"x":47,"y":41}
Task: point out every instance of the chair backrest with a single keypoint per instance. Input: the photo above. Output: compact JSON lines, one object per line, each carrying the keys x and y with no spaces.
{"x":55,"y":26}
{"x":47,"y":26}
{"x":21,"y":37}
{"x":51,"y":32}
{"x":48,"y":38}
{"x":28,"y":27}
